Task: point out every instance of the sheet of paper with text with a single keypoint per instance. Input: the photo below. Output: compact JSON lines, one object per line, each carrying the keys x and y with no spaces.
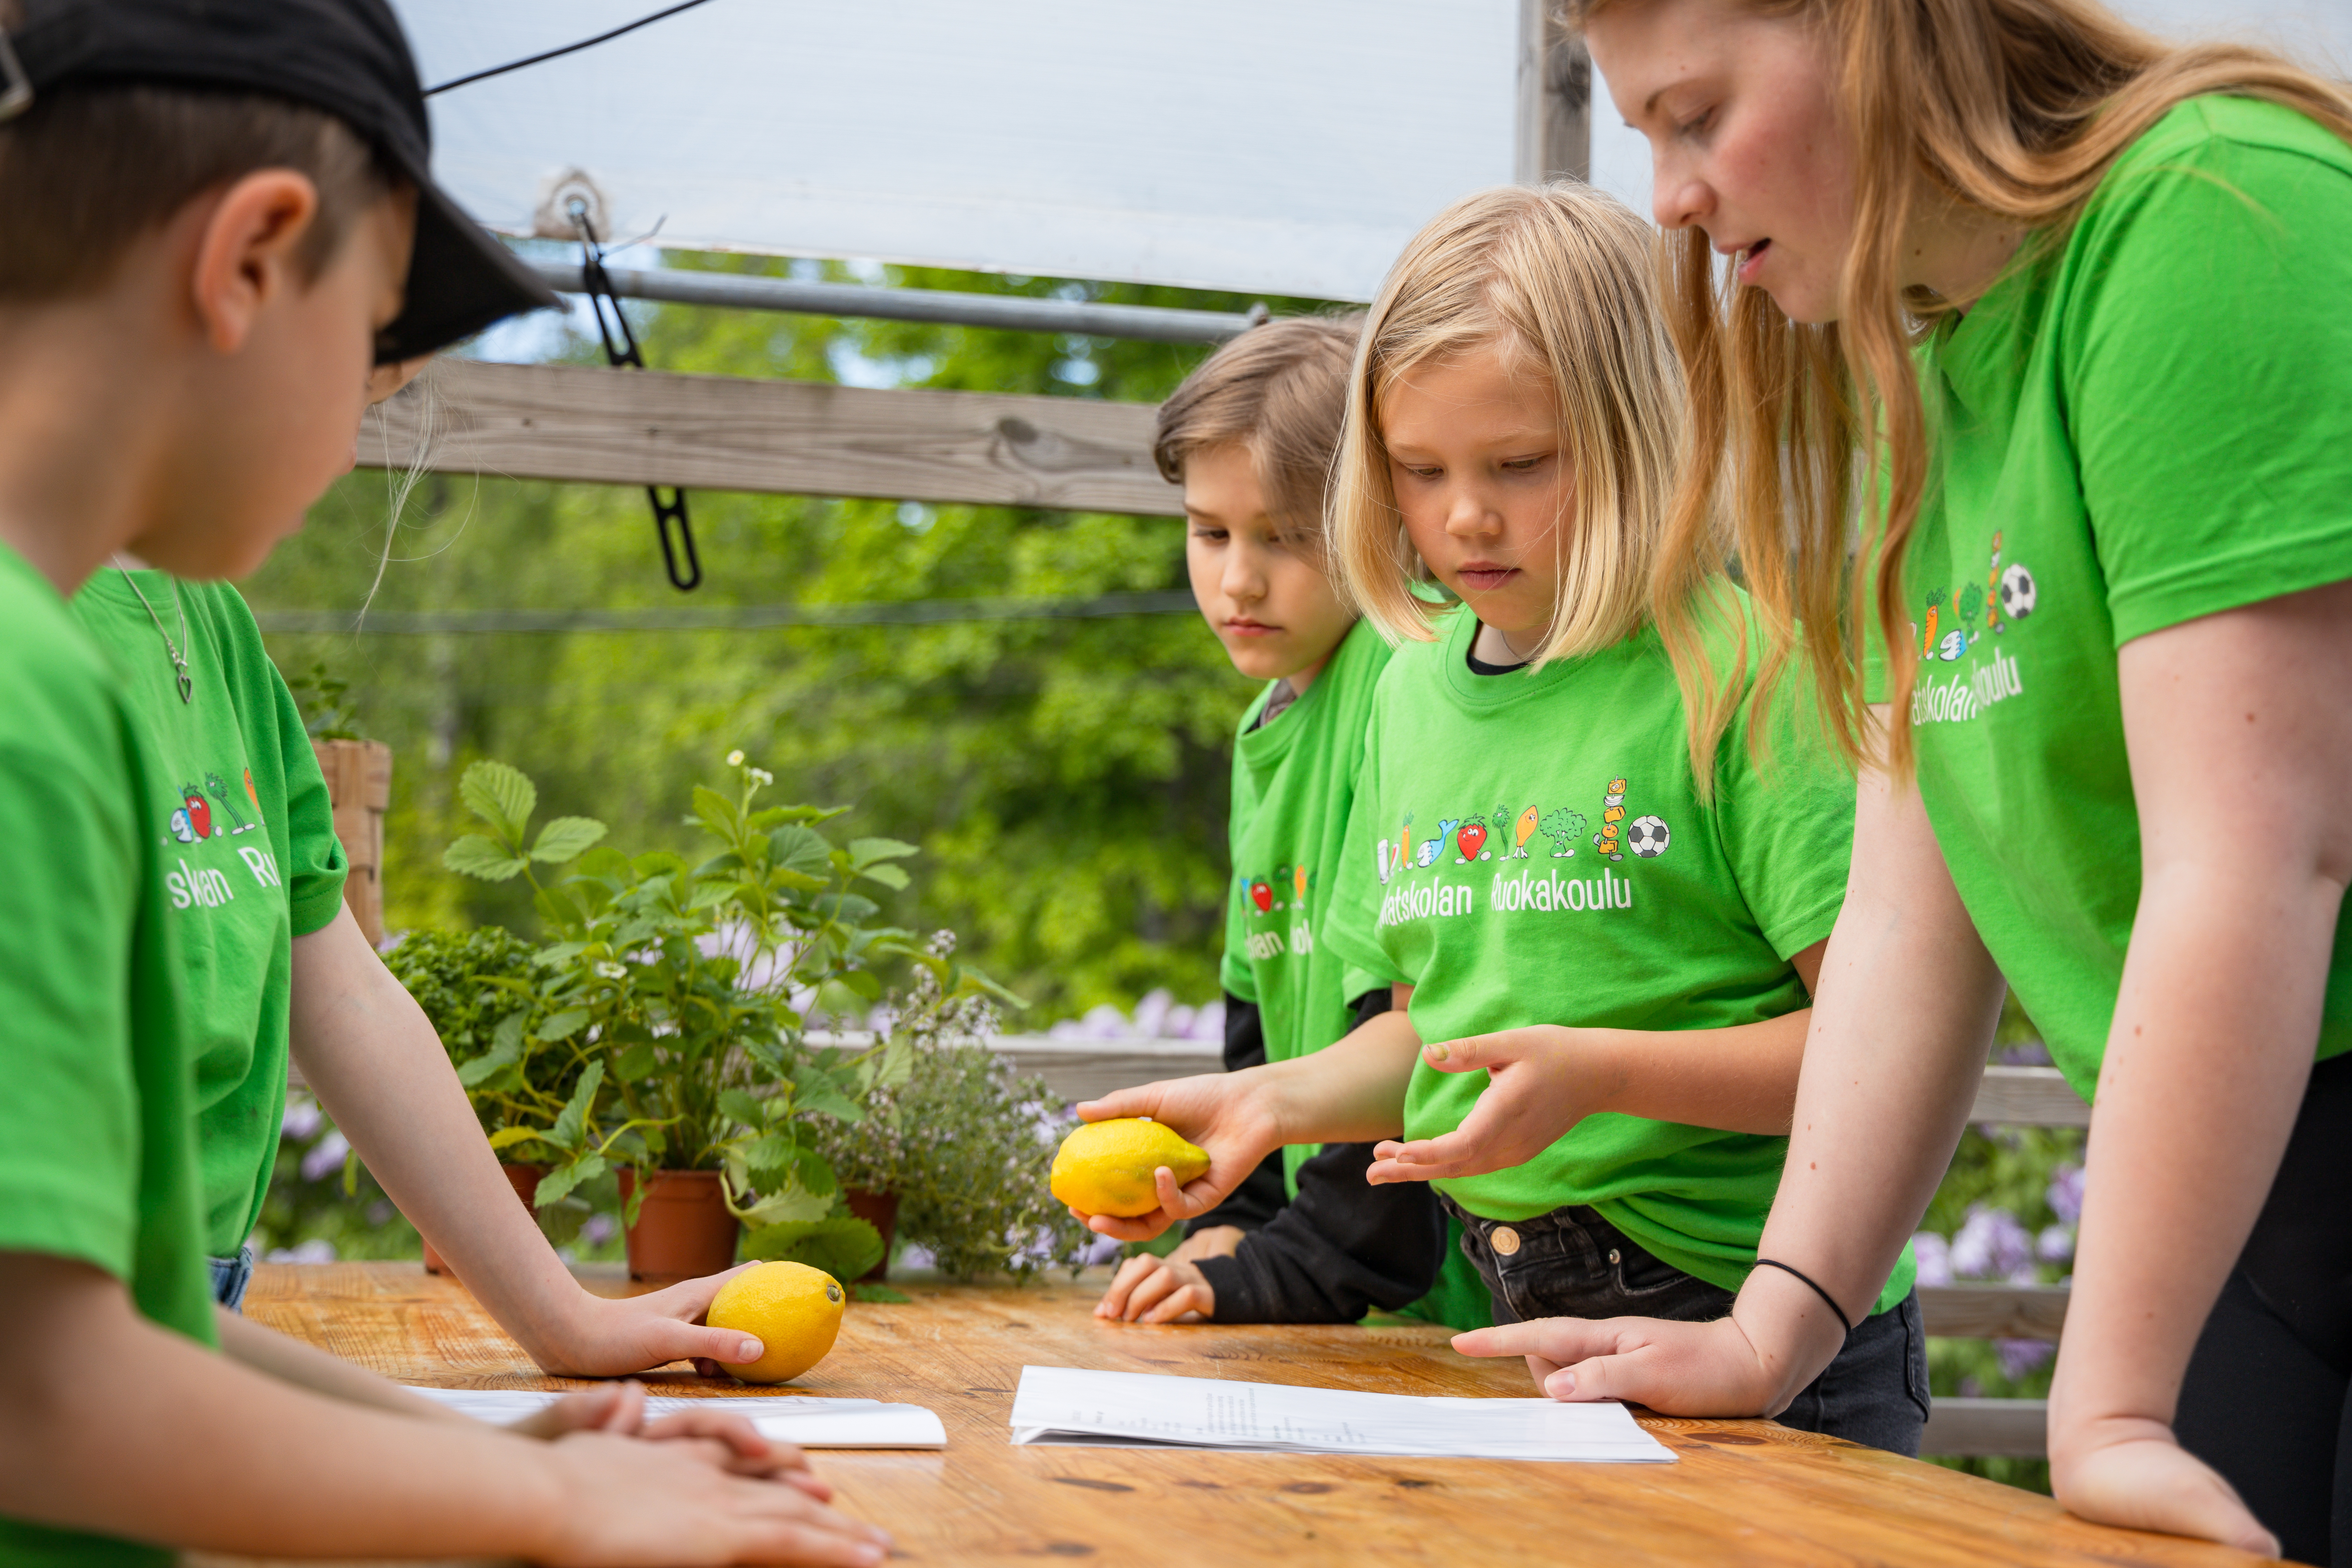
{"x":1115,"y":1409}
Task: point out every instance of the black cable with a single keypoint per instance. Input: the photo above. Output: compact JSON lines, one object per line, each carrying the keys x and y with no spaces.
{"x":566,"y":49}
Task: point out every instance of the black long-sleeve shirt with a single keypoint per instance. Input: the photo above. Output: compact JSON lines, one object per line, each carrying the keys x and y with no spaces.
{"x":1342,"y":1247}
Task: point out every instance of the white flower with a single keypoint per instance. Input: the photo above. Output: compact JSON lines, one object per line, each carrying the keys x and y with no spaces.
{"x":761,"y":775}
{"x":611,"y":972}
{"x":735,"y":759}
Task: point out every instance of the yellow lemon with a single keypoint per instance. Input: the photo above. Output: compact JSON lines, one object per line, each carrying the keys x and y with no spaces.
{"x":794,"y":1310}
{"x":1105,"y":1167}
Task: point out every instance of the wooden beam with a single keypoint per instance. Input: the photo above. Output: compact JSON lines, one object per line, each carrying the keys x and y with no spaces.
{"x":739,"y":433}
{"x":1972,"y":1428}
{"x":2028,"y":1097}
{"x":1994,"y":1311}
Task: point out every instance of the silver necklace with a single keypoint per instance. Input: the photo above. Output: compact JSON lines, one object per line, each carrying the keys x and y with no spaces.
{"x":179,"y":659}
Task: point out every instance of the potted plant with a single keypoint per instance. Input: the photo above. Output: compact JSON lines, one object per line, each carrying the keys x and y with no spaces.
{"x":359,"y":791}
{"x":962,"y":1145}
{"x":682,"y":993}
{"x":478,"y":989}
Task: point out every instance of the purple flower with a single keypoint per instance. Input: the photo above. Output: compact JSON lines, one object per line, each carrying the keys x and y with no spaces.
{"x":325,"y":1156}
{"x":303,"y":1118}
{"x":2055,"y":1244}
{"x":2019,"y":1357}
{"x":1991,"y":1245}
{"x":2065,"y":1196}
{"x":1935,"y":1255}
{"x":1209,"y":1022}
{"x":1152,"y":1011}
{"x":1100,"y":1249}
{"x":598,"y":1229}
{"x":912,"y":1257}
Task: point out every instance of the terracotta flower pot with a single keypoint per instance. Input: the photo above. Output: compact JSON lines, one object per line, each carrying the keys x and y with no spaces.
{"x":523,"y":1179}
{"x":683,"y":1228}
{"x":879,"y":1210}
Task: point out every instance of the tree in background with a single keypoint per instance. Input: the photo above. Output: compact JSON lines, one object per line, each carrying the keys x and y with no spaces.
{"x":1068,"y":777}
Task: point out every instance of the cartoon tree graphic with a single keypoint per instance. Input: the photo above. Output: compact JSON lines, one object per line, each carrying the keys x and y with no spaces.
{"x":1969,"y":607}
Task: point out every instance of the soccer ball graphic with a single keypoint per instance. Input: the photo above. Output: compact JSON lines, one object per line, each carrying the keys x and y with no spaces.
{"x":2017,"y":592}
{"x":1647,"y":837}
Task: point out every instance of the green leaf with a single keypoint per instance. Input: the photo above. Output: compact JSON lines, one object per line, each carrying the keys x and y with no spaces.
{"x":475,"y":855}
{"x":565,"y":839}
{"x":739,"y":1105}
{"x":500,"y":796}
{"x":508,"y":1136}
{"x":887,"y":875}
{"x":716,"y":812}
{"x":790,"y":1208}
{"x":844,"y":1245}
{"x":482,"y":1067}
{"x":793,"y":847}
{"x":864,"y":852}
{"x":846,"y":907}
{"x":572,"y":1128}
{"x":557,"y":1183}
{"x":635,"y":1063}
{"x":562,"y":1026}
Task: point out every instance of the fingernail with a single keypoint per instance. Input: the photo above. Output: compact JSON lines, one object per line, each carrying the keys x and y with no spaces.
{"x":1560,"y":1385}
{"x":752,"y":1350}
{"x":1437,"y":1052}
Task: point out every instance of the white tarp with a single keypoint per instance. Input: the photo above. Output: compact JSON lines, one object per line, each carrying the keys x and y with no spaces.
{"x":1277,"y":146}
{"x":2317,"y":33}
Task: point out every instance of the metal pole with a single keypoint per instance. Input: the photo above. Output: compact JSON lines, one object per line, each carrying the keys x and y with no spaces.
{"x":1152,"y":323}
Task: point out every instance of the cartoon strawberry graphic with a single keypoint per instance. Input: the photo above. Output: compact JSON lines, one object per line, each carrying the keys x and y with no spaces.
{"x":200,"y":810}
{"x":1262,"y":895}
{"x":1471,"y":838}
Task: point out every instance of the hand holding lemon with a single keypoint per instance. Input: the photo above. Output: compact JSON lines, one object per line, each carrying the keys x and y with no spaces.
{"x":794,"y":1310}
{"x":1108,"y":1167}
{"x":1227,"y":1128}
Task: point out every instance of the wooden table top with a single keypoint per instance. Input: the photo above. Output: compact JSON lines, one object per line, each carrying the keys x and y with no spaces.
{"x":1742,"y":1492}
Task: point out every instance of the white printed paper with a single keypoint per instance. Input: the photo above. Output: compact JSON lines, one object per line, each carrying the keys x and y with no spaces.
{"x":789,"y":1419}
{"x":1116,"y":1409}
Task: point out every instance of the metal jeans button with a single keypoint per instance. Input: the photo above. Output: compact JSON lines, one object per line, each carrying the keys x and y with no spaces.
{"x":1506,"y":1240}
{"x":1612,"y":1256}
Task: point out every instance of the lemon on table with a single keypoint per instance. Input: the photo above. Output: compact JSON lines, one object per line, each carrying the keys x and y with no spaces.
{"x":794,"y":1310}
{"x":1105,"y":1167}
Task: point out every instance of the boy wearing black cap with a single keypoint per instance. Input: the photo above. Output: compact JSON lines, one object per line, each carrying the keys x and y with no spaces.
{"x":220,"y":219}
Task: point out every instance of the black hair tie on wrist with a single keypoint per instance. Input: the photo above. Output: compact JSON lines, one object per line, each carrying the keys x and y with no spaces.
{"x":1775,"y":1263}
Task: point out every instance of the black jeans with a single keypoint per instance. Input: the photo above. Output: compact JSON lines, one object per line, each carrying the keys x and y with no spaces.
{"x":2268,"y":1398}
{"x":1571,"y":1263}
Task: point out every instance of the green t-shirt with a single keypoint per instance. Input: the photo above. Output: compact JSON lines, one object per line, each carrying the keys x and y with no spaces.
{"x":99,"y":1162}
{"x":2147,"y":423}
{"x":1530,"y":848}
{"x":1294,"y":784}
{"x":250,"y":859}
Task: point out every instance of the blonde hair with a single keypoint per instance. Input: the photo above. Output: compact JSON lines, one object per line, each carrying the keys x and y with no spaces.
{"x":1560,"y":279}
{"x":2013,"y":109}
{"x":1278,"y":392}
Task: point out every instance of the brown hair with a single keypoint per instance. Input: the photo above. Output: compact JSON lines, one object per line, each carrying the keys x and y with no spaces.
{"x":89,"y":170}
{"x":2013,"y":109}
{"x":1279,"y":391}
{"x":1559,"y":278}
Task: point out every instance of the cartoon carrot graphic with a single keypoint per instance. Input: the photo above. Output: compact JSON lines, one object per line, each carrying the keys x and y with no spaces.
{"x":1525,"y":831}
{"x":1935,"y":603}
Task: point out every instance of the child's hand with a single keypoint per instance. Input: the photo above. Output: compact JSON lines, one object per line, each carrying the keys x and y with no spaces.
{"x":618,"y":1410}
{"x":681,"y":1501}
{"x":600,"y":1337}
{"x":2135,"y":1474}
{"x":1218,"y":1112}
{"x":1538,"y":1088}
{"x":1169,"y":1289}
{"x":1675,"y":1369}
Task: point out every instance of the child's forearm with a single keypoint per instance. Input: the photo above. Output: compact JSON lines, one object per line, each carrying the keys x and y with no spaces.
{"x":1351,"y":1091}
{"x":1742,"y":1078}
{"x":111,"y":1424}
{"x":372,"y":1056}
{"x":274,"y":1354}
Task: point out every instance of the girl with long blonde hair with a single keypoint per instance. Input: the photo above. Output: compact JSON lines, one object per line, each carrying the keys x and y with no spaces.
{"x":1535,"y":863}
{"x":2059,"y":313}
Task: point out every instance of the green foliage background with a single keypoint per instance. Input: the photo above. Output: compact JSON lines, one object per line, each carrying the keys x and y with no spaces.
{"x":1068,"y":778}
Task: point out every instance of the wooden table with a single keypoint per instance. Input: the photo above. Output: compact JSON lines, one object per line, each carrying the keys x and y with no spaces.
{"x":1743,"y":1492}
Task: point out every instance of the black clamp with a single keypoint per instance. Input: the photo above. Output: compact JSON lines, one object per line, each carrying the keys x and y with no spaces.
{"x":670,"y":521}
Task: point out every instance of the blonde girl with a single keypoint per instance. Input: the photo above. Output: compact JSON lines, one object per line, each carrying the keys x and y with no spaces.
{"x":2089,"y":290}
{"x":1531,"y":848}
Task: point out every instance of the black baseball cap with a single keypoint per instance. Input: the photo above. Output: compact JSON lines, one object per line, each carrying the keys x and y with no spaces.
{"x":349,"y":57}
